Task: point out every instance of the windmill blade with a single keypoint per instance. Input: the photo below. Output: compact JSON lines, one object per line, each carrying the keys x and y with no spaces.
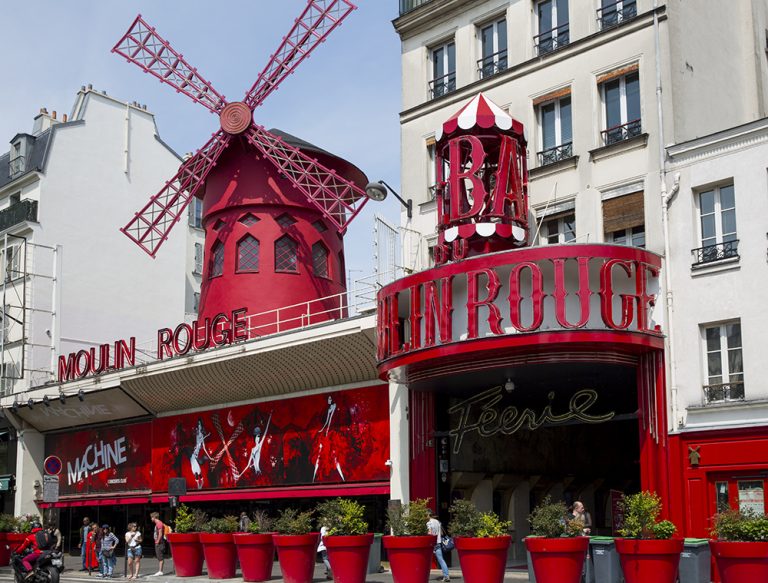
{"x":150,"y":226}
{"x":318,"y":20}
{"x":336,"y":197}
{"x":152,"y":53}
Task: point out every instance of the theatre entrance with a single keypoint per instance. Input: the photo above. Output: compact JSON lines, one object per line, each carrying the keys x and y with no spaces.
{"x":506,"y":438}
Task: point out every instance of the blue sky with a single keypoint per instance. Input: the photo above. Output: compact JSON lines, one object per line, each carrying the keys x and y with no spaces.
{"x":344,"y":98}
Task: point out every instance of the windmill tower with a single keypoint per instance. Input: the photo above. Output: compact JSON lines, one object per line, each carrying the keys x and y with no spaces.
{"x":275,"y":208}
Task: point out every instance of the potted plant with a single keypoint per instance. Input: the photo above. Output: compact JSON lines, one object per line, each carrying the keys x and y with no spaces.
{"x":255,"y":549}
{"x":557,"y":548}
{"x":649,"y":553}
{"x":185,"y":542}
{"x":482,"y":541}
{"x":296,"y":545}
{"x":219,"y":547}
{"x":10,"y":537}
{"x":348,"y":541}
{"x":740,"y":547}
{"x":410,"y":546}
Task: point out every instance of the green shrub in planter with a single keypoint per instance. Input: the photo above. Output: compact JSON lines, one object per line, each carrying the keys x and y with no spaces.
{"x":260,"y":523}
{"x":549,"y":520}
{"x":25,"y":522}
{"x":342,"y":516}
{"x":409,"y":519}
{"x":189,"y":519}
{"x":641,"y":513}
{"x":737,"y":526}
{"x":226,"y":525}
{"x":291,"y":521}
{"x":468,"y":521}
{"x":9,"y":523}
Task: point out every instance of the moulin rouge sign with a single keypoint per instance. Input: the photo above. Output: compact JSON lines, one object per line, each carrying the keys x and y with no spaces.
{"x":221,"y":330}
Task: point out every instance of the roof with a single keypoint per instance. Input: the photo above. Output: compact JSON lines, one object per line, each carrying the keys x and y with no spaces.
{"x":36,"y":160}
{"x":479,"y":112}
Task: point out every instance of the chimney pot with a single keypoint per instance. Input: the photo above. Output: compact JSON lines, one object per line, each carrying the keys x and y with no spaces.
{"x":82,"y":87}
{"x":90,"y":86}
{"x":65,"y":118}
{"x":53,"y":114}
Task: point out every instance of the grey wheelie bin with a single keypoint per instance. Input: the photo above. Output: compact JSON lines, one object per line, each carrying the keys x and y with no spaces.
{"x":695,"y":561}
{"x":604,"y":560}
{"x":374,"y":558}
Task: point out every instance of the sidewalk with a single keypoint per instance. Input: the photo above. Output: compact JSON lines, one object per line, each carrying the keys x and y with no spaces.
{"x":149,"y":567}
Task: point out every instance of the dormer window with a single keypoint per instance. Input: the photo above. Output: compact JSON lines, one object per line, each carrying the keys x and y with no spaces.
{"x":16,"y":162}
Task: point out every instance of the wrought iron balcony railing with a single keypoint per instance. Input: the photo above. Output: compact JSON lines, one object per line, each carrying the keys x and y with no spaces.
{"x":492,"y":64}
{"x":715,"y":252}
{"x":551,"y":40}
{"x":623,"y":132}
{"x":616,"y":13}
{"x":16,"y":166}
{"x":733,"y":391}
{"x":26,"y":210}
{"x":442,"y":85}
{"x":407,"y":5}
{"x":555,"y":154}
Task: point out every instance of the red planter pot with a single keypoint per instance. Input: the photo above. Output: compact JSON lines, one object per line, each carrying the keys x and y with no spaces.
{"x":256,"y":553}
{"x":8,"y":542}
{"x":296,"y":553}
{"x":644,"y":561}
{"x":187,"y":554}
{"x":741,"y":562}
{"x":410,"y":557}
{"x":348,"y":556}
{"x":220,"y":555}
{"x":482,"y":559}
{"x":558,"y":560}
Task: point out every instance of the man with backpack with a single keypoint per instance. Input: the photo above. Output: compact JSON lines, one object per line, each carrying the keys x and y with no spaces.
{"x":39,"y":540}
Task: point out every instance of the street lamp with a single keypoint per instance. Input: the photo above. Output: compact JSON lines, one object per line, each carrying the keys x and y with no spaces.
{"x":377,"y":191}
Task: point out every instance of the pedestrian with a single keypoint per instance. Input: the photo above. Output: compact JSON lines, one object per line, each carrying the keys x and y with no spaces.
{"x":324,"y":552}
{"x":580,"y":514}
{"x":159,"y":538}
{"x":436,"y":529}
{"x":92,"y":547}
{"x":245,"y":522}
{"x":83,"y":544}
{"x":108,"y":544}
{"x":56,"y":534}
{"x":133,"y":550}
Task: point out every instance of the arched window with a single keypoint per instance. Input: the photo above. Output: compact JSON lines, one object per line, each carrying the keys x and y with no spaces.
{"x":286,"y":255}
{"x":216,"y":267}
{"x":320,"y":259}
{"x":247,"y":254}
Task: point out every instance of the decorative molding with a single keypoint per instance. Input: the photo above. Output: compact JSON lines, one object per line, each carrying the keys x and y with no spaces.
{"x":724,"y":142}
{"x":621,"y":147}
{"x":559,"y":166}
{"x":730,"y":264}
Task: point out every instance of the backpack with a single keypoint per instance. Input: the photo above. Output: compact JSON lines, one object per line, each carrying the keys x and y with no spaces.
{"x":167,"y":530}
{"x":44,"y":540}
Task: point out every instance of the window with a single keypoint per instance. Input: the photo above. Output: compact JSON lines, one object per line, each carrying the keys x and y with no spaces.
{"x":196,"y":302}
{"x":6,"y":328}
{"x":553,"y":26}
{"x":724,"y":366}
{"x":612,"y":12}
{"x":249,"y":219}
{"x":15,"y":198}
{"x":443,"y":70}
{"x":717,"y":221}
{"x":493,"y":48}
{"x":634,"y":237}
{"x":196,"y":213}
{"x":320,"y":226}
{"x":556,"y":131}
{"x":217,"y":260}
{"x":320,"y":260}
{"x":248,"y":254}
{"x":286,"y":255}
{"x":285,"y":221}
{"x":198,"y":268}
{"x":558,"y":229}
{"x":12,"y":263}
{"x":621,"y":99}
{"x":624,"y":219}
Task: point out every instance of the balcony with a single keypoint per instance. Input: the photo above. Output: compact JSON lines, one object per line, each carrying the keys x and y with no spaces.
{"x":615,"y":14}
{"x":407,"y":6}
{"x":717,"y":252}
{"x":623,"y":132}
{"x":492,"y":64}
{"x":555,"y":154}
{"x":442,"y":85}
{"x":26,"y":210}
{"x":724,"y":392}
{"x":551,"y":40}
{"x":16,"y":166}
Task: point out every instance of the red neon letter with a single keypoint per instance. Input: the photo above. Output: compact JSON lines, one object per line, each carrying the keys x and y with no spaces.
{"x":438,"y":306}
{"x":164,"y":337}
{"x":240,"y":324}
{"x":66,"y":367}
{"x":561,"y":293}
{"x":606,"y":295}
{"x":537,"y":296}
{"x":509,"y":185}
{"x":456,"y":179}
{"x":492,"y":287}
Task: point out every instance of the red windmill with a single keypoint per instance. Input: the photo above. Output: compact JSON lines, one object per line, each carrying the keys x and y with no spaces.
{"x":274,"y":207}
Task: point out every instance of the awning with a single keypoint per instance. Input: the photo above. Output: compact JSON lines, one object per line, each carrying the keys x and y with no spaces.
{"x":313,"y":491}
{"x":479,"y":112}
{"x":111,"y":500}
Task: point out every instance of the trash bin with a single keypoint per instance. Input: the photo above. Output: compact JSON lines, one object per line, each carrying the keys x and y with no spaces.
{"x":374,"y":558}
{"x":606,"y":567}
{"x":695,"y":561}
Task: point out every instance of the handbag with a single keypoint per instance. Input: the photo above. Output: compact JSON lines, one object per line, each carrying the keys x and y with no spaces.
{"x":447,"y":543}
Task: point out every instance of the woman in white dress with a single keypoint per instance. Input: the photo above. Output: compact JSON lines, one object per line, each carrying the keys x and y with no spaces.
{"x":194,"y":459}
{"x":254,"y":460}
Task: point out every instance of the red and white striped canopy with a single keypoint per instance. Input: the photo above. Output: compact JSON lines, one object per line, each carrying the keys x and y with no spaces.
{"x":480,"y":112}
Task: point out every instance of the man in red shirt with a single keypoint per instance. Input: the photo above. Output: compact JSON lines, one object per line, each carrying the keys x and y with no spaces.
{"x":159,"y":536}
{"x":31,"y":542}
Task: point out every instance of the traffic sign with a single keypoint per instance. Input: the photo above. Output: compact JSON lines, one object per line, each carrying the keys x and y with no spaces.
{"x":52,"y":465}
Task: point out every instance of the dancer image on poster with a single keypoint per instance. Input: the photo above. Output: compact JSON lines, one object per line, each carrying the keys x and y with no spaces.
{"x":194,"y":459}
{"x":325,"y":443}
{"x":254,"y":460}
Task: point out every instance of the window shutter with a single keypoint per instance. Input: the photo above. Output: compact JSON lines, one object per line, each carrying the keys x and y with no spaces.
{"x":623,"y":212}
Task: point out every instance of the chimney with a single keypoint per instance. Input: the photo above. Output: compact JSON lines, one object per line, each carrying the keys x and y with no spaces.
{"x":43,"y":121}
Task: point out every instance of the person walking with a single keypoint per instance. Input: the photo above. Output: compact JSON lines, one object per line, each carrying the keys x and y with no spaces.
{"x":159,"y":538}
{"x":83,"y":544}
{"x":324,"y":552}
{"x":436,"y":529}
{"x":245,"y":522}
{"x":133,"y":550}
{"x":108,"y":544}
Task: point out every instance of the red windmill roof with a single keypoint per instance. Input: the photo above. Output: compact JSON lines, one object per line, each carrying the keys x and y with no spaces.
{"x":479,"y":112}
